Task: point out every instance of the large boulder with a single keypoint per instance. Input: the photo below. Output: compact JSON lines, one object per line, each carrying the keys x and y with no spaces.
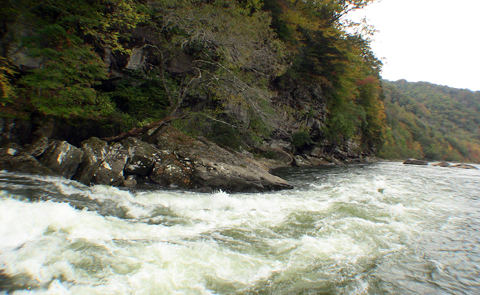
{"x":201,"y":164}
{"x":415,"y":162}
{"x":14,"y":159}
{"x":38,"y":147}
{"x":172,"y":170}
{"x":62,"y":158}
{"x":141,"y":156}
{"x":94,"y":153}
{"x":110,"y":171}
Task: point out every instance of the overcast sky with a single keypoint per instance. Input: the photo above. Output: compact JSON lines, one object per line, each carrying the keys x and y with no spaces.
{"x":436,"y":41}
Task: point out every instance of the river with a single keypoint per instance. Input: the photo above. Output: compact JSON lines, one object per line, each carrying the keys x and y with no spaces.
{"x":382,"y":228}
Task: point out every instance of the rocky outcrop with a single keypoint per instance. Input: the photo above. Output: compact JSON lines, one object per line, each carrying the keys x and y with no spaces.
{"x":208,"y":166}
{"x":170,"y":159}
{"x":415,"y":162}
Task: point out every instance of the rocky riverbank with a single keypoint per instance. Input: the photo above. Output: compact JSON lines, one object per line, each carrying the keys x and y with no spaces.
{"x":168,"y":158}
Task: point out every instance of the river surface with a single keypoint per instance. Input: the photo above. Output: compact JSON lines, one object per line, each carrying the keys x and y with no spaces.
{"x":382,"y":228}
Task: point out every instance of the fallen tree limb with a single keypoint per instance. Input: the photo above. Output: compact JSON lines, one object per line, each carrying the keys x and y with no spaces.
{"x":138,"y":131}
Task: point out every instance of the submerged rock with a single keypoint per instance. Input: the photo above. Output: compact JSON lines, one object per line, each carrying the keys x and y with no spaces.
{"x":415,"y":162}
{"x":441,"y":164}
{"x":464,"y":166}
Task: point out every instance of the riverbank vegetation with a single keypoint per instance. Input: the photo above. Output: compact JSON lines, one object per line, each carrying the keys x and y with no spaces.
{"x":428,"y":121}
{"x":238,"y":72}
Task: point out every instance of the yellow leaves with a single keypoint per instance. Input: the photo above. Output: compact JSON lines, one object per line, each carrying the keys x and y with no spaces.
{"x":6,"y":89}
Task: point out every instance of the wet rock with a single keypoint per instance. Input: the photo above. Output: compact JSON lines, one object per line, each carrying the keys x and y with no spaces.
{"x":130,"y":181}
{"x":415,"y":162}
{"x":141,"y":156}
{"x":110,"y":171}
{"x":300,"y":161}
{"x":441,"y":164}
{"x":62,"y":158}
{"x":464,"y":166}
{"x":94,"y":153}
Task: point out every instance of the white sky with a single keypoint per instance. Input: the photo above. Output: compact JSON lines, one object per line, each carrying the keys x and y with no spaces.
{"x":436,"y":41}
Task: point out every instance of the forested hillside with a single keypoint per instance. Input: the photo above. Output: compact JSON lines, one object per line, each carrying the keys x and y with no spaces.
{"x":431,"y":122}
{"x":239,"y":72}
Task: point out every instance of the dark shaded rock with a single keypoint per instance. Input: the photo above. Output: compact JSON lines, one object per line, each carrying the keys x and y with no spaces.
{"x":415,"y":162}
{"x":62,"y":158}
{"x":441,"y":164}
{"x":141,"y":156}
{"x":37,"y":148}
{"x":110,"y":171}
{"x":464,"y":166}
{"x":203,"y":164}
{"x":94,"y":153}
{"x":14,"y":159}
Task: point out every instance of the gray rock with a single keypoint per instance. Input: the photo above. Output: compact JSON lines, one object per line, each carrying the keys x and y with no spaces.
{"x":37,"y":148}
{"x":137,"y":59}
{"x":94,"y":153}
{"x":464,"y":166}
{"x":441,"y":164}
{"x":204,"y":165}
{"x":62,"y":158}
{"x":300,"y":161}
{"x":130,"y":181}
{"x":14,"y":159}
{"x":110,"y":171}
{"x":171,"y":170}
{"x":141,"y":156}
{"x":415,"y":162}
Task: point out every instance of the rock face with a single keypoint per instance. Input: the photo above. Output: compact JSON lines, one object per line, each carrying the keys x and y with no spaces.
{"x":62,"y":158}
{"x":204,"y":165}
{"x":415,"y":162}
{"x":170,"y":159}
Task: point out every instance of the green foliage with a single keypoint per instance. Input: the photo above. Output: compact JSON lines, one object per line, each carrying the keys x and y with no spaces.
{"x":432,"y":122}
{"x":225,"y":135}
{"x":301,"y":139}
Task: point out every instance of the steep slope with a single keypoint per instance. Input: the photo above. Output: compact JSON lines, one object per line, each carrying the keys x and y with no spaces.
{"x":270,"y":77}
{"x":432,"y":122}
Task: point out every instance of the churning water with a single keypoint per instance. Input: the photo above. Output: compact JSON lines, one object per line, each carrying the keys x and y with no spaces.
{"x":383,"y":228}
